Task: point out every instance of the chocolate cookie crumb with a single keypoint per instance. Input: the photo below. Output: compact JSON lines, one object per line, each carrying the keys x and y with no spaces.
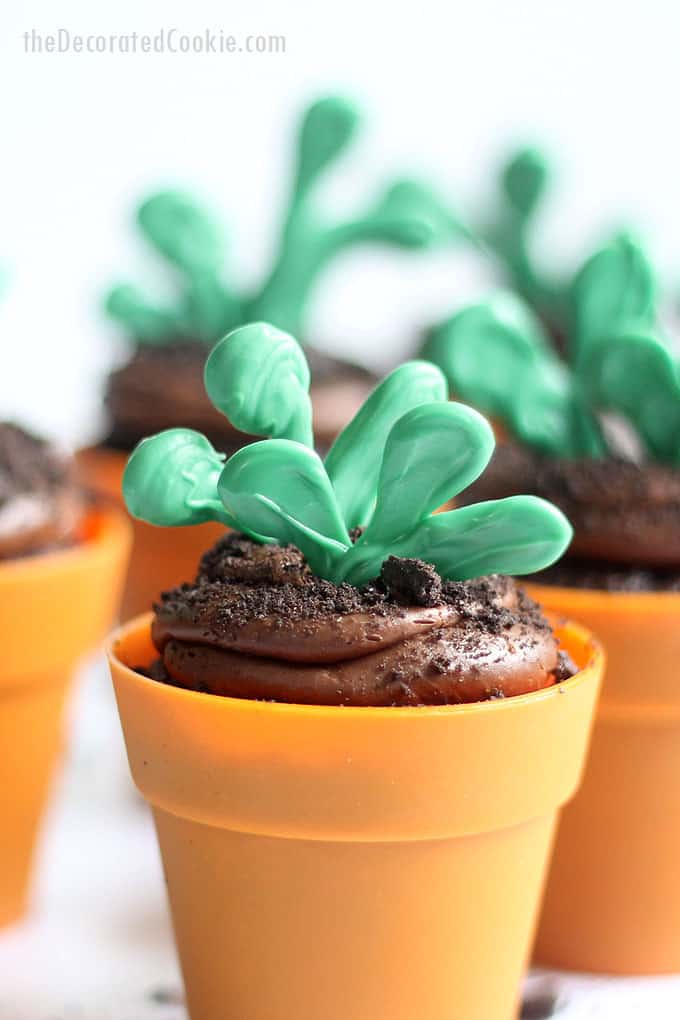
{"x":236,"y":558}
{"x":411,"y":582}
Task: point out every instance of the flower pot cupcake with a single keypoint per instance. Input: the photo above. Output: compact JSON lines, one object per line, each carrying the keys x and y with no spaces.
{"x":354,"y":730}
{"x":61,"y":568}
{"x":599,"y":435}
{"x":161,"y":384}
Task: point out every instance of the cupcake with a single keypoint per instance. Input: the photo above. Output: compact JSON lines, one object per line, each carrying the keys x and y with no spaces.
{"x":61,"y":568}
{"x":161,"y":384}
{"x":598,"y":434}
{"x":344,"y":720}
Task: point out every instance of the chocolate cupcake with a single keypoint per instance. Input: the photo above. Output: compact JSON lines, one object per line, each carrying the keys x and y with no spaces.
{"x":161,"y":383}
{"x":340,"y":584}
{"x":597,"y":433}
{"x":41,"y":506}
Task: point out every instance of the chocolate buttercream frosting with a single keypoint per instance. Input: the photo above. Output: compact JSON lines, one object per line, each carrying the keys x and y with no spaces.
{"x":161,"y":387}
{"x":257,"y":624}
{"x":623,"y":514}
{"x":41,"y":505}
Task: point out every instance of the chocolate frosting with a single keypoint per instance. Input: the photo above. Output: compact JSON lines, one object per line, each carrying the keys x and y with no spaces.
{"x":40,"y":503}
{"x":257,"y":624}
{"x":622,"y":513}
{"x":161,"y":387}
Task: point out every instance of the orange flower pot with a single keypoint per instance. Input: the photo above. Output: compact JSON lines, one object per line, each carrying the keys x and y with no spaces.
{"x":161,"y":557}
{"x":53,"y":609}
{"x":353,"y":862}
{"x":613,"y":896}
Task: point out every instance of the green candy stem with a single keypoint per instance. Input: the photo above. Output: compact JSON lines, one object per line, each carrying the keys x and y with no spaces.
{"x":524,"y":181}
{"x":406,"y":453}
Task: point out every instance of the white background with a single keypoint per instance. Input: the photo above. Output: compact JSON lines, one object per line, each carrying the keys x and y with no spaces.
{"x":447,"y":87}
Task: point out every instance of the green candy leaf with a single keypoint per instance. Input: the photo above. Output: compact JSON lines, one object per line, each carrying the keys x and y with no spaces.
{"x":487,"y":350}
{"x":432,"y":453}
{"x":613,"y":292}
{"x":524,"y":180}
{"x":327,"y":129}
{"x":637,"y":376}
{"x":259,"y":378}
{"x":496,"y":355}
{"x":409,"y":214}
{"x":552,"y":417}
{"x":146,"y":323}
{"x":353,"y":462}
{"x":181,"y":230}
{"x":171,"y":480}
{"x":280,"y":489}
{"x":517,"y":535}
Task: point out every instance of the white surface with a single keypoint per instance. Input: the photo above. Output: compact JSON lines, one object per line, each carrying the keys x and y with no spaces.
{"x":98,"y":945}
{"x":447,"y":88}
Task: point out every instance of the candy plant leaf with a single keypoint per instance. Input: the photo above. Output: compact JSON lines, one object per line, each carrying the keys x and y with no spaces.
{"x":171,"y":480}
{"x":181,"y":230}
{"x":432,"y":453}
{"x":280,"y":489}
{"x":636,"y":376}
{"x":524,"y":180}
{"x":259,"y":378}
{"x":549,"y":414}
{"x":409,"y":214}
{"x":144,"y":322}
{"x":327,"y":129}
{"x":354,"y":461}
{"x":517,"y":535}
{"x":486,"y":351}
{"x":613,"y":292}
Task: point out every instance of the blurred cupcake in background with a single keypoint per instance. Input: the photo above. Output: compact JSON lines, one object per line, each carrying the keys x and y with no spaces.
{"x":597,"y":431}
{"x":61,"y":572}
{"x":41,"y":504}
{"x":161,"y":385}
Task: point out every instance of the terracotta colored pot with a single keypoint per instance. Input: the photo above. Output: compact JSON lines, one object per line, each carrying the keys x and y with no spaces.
{"x":613,"y":896}
{"x":54,"y":609}
{"x":161,"y":557}
{"x":353,"y":862}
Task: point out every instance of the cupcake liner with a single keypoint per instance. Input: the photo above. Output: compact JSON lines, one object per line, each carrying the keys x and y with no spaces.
{"x":161,"y":557}
{"x":363,"y":862}
{"x":613,"y":900}
{"x":54,"y":608}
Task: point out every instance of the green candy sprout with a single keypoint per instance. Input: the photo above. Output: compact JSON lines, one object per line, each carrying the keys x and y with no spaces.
{"x":497,"y":356}
{"x":404,"y":455}
{"x":524,"y":181}
{"x":191,"y":240}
